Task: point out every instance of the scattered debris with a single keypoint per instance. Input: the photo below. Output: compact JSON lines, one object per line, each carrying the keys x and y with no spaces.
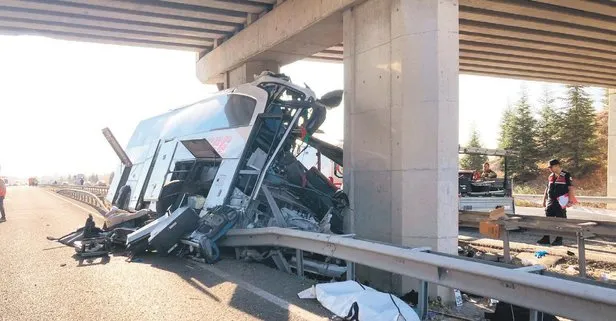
{"x":351,"y":300}
{"x":528,"y":259}
{"x":541,"y":253}
{"x":63,"y":264}
{"x":509,"y":312}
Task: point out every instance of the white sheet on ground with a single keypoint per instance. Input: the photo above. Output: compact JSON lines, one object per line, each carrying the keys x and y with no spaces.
{"x":372,"y":305}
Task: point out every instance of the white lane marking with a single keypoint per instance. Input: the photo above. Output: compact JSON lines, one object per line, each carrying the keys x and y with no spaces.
{"x":284,"y":304}
{"x":89,"y":211}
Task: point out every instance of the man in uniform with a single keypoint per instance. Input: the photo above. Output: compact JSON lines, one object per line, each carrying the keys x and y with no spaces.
{"x":558,"y":195}
{"x":2,"y":195}
{"x":488,"y":173}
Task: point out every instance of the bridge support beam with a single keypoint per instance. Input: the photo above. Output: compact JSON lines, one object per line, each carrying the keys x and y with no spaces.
{"x":611,"y":146}
{"x":401,"y":131}
{"x":244,"y":73}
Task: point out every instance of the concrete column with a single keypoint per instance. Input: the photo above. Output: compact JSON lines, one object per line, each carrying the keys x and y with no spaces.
{"x":401,"y":131}
{"x":611,"y":146}
{"x":247,"y":71}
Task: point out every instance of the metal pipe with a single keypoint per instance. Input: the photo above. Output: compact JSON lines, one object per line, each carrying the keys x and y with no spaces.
{"x":422,"y":300}
{"x":265,"y":168}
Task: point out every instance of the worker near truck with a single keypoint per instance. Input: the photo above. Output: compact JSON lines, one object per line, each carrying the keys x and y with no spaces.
{"x":487,"y":173}
{"x":559,"y":194}
{"x":2,"y":195}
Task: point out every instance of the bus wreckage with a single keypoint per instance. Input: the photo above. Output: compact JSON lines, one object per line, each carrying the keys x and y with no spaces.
{"x":229,"y":161}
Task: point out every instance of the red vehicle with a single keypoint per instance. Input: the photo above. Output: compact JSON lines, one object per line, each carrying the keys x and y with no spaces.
{"x":32,"y":181}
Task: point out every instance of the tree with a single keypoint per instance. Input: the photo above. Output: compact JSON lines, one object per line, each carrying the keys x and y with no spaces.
{"x":601,"y":121}
{"x":474,"y":162}
{"x":577,"y":143}
{"x":518,"y":133}
{"x":93,"y":178}
{"x":548,"y":129}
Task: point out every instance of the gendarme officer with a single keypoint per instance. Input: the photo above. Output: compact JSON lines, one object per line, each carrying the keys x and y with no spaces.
{"x":559,"y":194}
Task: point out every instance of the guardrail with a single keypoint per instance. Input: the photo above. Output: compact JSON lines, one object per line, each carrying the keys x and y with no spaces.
{"x":580,"y":230}
{"x":83,"y":196}
{"x":530,"y":287}
{"x":583,"y":199}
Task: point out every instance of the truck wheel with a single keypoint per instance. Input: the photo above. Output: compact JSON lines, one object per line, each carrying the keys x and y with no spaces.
{"x":123,"y":198}
{"x":168,"y":195}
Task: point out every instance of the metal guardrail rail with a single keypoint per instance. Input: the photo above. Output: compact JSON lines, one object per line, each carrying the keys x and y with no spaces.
{"x":83,"y":196}
{"x":580,"y":230}
{"x":583,"y":199}
{"x":568,"y":297}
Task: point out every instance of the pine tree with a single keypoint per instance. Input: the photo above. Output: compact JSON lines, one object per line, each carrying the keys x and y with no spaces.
{"x":474,"y":162}
{"x":548,"y":129}
{"x":577,"y":143}
{"x":518,"y":133}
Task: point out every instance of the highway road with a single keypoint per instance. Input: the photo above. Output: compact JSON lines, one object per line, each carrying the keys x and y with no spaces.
{"x":41,"y":280}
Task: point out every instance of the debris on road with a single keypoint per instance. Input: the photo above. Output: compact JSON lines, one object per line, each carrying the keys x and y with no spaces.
{"x":351,"y":300}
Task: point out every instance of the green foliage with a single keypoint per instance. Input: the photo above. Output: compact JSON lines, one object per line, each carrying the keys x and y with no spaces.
{"x":474,"y":162}
{"x":577,"y":145}
{"x":548,"y":130}
{"x":518,"y":132}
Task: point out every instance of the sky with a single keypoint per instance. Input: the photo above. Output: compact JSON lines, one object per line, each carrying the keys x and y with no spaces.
{"x":56,"y":96}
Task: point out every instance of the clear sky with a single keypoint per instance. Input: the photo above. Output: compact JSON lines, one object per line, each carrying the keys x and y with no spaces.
{"x":56,"y":96}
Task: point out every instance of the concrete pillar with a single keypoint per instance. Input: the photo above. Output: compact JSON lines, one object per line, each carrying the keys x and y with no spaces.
{"x":401,"y":131}
{"x":611,"y":145}
{"x":247,"y":71}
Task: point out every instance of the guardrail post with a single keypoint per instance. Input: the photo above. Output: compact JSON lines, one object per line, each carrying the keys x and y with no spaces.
{"x":581,"y":253}
{"x":422,"y":300}
{"x":350,"y":274}
{"x":299,"y":259}
{"x":506,"y":248}
{"x":536,"y":315}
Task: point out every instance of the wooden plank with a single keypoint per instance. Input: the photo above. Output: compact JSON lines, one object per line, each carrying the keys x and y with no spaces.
{"x":513,"y":21}
{"x":539,"y":67}
{"x":601,"y":8}
{"x":79,"y":30}
{"x":161,"y":9}
{"x":488,"y":29}
{"x":525,"y":60}
{"x":98,"y":39}
{"x":534,"y":10}
{"x":226,"y":5}
{"x":116,"y":15}
{"x":531,"y":53}
{"x":57,"y":18}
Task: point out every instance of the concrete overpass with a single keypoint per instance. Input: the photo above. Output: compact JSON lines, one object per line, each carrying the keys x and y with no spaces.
{"x":402,"y":59}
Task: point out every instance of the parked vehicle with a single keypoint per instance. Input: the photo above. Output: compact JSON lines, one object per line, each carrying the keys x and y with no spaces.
{"x":484,"y":195}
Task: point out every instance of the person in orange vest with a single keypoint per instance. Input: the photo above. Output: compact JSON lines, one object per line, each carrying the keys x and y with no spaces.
{"x":2,"y":195}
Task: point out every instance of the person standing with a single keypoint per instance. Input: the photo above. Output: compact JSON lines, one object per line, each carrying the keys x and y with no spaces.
{"x":2,"y":195}
{"x":558,"y":195}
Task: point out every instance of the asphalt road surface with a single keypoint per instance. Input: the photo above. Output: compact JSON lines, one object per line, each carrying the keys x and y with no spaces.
{"x":41,"y":280}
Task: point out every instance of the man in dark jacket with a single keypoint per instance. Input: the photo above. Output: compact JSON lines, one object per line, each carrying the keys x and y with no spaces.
{"x":559,"y":194}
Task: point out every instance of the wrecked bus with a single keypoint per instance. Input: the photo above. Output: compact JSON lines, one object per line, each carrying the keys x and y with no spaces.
{"x":233,"y":154}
